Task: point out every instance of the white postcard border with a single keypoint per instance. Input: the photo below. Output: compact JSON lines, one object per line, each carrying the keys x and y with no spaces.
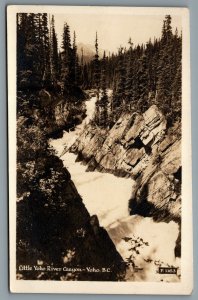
{"x":35,"y":286}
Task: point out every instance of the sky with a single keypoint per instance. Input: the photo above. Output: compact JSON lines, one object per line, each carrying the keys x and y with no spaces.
{"x":113,"y":30}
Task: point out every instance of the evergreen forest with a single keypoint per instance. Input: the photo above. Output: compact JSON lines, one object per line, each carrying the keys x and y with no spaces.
{"x":139,"y":76}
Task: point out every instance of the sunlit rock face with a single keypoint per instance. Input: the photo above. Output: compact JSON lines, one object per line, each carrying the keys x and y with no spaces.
{"x":143,"y":148}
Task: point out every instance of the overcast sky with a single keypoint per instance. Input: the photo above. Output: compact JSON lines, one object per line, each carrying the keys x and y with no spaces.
{"x":113,"y":30}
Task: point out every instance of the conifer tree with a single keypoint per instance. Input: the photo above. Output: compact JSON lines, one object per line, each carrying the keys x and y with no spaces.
{"x":46,"y":50}
{"x":96,"y":65}
{"x":129,"y":77}
{"x":166,"y":70}
{"x":120,"y":92}
{"x":32,"y":66}
{"x":66,"y":61}
{"x":54,"y":59}
{"x":103,"y":101}
{"x":177,"y":81}
{"x":75,"y":63}
{"x":119,"y":88}
{"x":21,"y":41}
{"x":142,"y":91}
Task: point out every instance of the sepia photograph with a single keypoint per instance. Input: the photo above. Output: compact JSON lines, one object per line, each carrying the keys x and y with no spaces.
{"x":99,"y":163}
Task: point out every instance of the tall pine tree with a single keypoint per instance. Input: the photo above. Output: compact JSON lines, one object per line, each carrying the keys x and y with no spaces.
{"x":54,"y":59}
{"x":103,"y":101}
{"x":66,"y":61}
{"x":96,"y":75}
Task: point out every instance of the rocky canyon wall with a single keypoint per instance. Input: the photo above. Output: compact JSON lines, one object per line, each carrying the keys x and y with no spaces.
{"x":144,"y":148}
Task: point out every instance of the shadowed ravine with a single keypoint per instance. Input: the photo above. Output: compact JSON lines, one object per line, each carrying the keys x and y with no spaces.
{"x":107,"y":196}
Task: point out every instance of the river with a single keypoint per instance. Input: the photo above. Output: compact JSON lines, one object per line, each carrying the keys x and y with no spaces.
{"x":107,"y":196}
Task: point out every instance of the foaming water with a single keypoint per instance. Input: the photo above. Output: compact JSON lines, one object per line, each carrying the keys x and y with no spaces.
{"x":146,"y":243}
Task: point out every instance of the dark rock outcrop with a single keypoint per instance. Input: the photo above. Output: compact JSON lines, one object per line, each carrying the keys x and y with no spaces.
{"x":54,"y":229}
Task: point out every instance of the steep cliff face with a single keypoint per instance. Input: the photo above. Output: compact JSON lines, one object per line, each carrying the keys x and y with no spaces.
{"x":141,"y":147}
{"x":54,"y":229}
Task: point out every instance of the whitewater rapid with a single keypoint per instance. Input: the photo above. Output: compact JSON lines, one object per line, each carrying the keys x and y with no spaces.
{"x":107,"y":196}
